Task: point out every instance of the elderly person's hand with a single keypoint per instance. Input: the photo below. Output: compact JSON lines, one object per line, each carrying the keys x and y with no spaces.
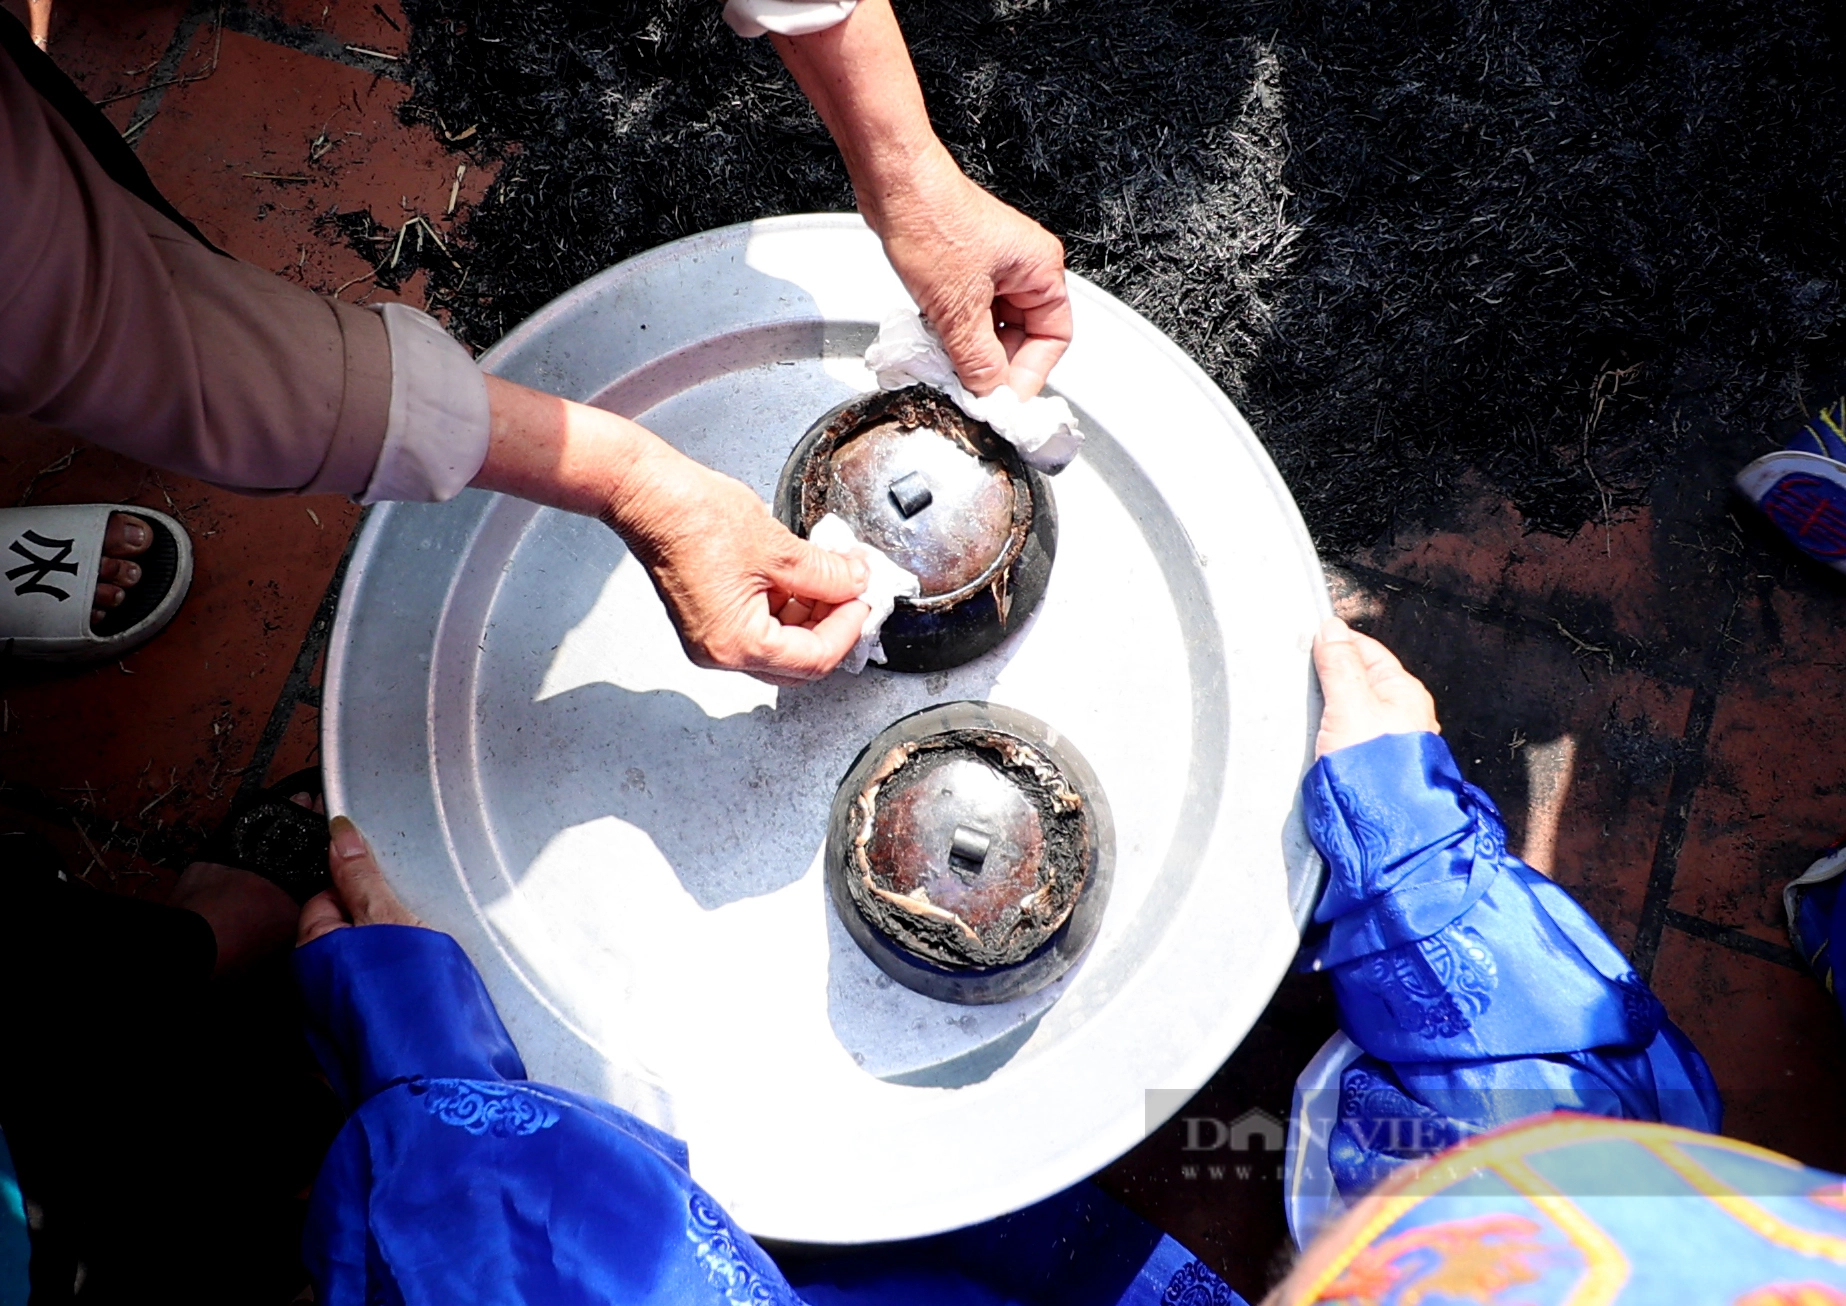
{"x":1367,"y":691}
{"x":988,"y":278}
{"x":359,"y":895}
{"x":744,"y":593}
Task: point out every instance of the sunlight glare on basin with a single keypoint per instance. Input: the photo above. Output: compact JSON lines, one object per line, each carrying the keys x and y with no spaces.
{"x":634,"y":961}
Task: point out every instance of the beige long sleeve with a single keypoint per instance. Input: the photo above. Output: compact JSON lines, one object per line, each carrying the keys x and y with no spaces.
{"x":118,"y":326}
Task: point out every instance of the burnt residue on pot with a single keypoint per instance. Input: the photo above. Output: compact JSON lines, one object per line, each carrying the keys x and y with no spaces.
{"x":970,"y":849}
{"x":969,"y":852}
{"x":945,"y":498}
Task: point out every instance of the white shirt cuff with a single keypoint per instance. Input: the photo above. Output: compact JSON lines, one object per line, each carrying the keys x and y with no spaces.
{"x":436,"y":436}
{"x":785,"y":17}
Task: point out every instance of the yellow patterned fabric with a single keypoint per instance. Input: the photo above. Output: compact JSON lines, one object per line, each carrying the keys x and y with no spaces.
{"x":1583,"y":1211}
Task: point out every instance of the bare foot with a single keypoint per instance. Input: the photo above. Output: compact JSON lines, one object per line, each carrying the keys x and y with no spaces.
{"x":250,"y":916}
{"x":126,"y":538}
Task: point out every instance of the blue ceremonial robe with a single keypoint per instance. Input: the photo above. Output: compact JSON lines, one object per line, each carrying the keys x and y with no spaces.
{"x":457,"y":1180}
{"x":1481,"y":993}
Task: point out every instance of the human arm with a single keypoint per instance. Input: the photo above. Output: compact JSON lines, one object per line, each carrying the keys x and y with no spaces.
{"x":120,"y":325}
{"x":385,"y":1004}
{"x":989,"y":279}
{"x":545,"y":1195}
{"x":1478,"y":991}
{"x":743,"y":591}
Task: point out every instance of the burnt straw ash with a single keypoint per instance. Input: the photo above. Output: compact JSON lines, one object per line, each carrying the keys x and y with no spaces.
{"x":1415,"y":242}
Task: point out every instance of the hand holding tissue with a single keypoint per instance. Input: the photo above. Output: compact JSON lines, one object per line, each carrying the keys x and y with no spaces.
{"x":908,"y":352}
{"x":887,"y":583}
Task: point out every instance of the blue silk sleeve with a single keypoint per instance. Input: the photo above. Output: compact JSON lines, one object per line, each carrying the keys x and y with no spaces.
{"x":1480,"y":992}
{"x":458,"y":1180}
{"x":455,"y":1179}
{"x":386,"y":1002}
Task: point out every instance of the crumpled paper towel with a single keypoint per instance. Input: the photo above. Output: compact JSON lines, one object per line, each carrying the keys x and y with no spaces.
{"x":909,"y":352}
{"x":888,"y":583}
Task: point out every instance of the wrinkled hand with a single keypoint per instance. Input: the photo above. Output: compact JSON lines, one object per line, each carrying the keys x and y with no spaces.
{"x":359,"y":895}
{"x":745,"y":594}
{"x":1367,"y":691}
{"x":989,"y":279}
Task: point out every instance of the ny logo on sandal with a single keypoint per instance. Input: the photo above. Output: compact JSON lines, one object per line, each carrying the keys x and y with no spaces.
{"x":37,"y":568}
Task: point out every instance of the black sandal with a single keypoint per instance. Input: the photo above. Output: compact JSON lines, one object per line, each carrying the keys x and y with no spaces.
{"x":281,"y":841}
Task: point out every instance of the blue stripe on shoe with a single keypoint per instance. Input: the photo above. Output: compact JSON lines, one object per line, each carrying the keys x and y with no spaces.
{"x":1825,"y":435}
{"x":1811,"y":511}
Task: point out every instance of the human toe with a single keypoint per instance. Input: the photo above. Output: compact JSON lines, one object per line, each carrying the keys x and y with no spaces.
{"x":123,"y":538}
{"x":119,"y":571}
{"x":126,"y":536}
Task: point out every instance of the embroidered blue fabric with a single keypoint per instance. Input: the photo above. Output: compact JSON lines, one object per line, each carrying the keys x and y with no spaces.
{"x":1480,"y":992}
{"x":457,"y":1180}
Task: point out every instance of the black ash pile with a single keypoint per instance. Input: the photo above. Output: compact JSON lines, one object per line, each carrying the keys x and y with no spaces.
{"x":1414,"y":241}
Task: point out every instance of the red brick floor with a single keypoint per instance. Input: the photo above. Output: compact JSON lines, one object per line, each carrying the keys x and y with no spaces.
{"x":1655,"y":704}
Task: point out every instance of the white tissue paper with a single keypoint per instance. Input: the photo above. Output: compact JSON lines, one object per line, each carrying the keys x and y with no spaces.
{"x":889,"y":582}
{"x":785,"y":17}
{"x":908,"y":352}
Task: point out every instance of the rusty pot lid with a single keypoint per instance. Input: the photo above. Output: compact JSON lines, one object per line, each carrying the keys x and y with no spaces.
{"x":938,"y":492}
{"x":934,"y":505}
{"x":970,"y":835}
